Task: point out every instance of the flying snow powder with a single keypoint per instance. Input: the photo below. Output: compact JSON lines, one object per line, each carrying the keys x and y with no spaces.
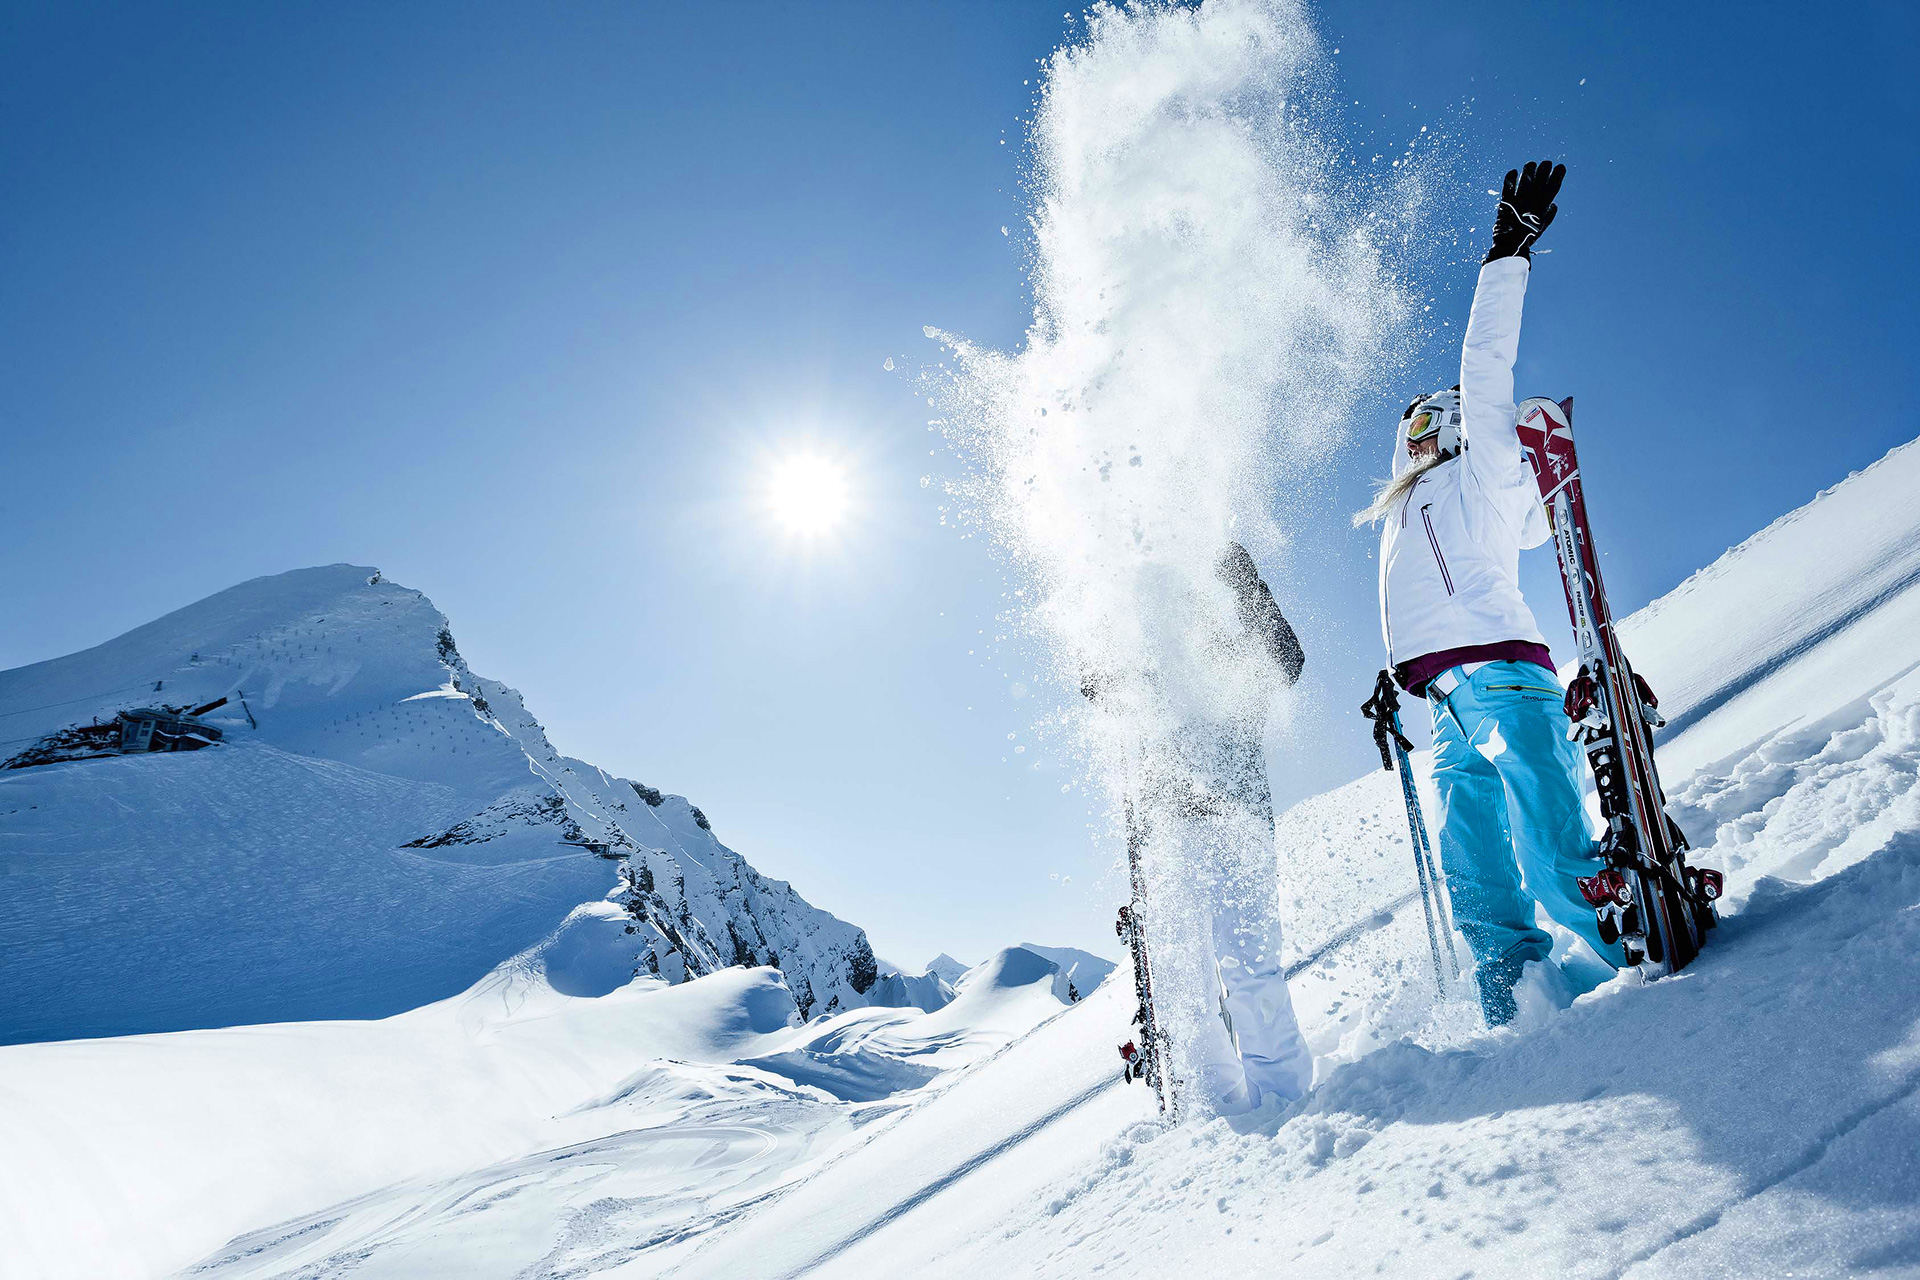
{"x":1211,"y":296}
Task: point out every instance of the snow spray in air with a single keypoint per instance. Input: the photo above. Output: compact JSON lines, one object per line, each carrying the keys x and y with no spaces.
{"x":1210,"y":298}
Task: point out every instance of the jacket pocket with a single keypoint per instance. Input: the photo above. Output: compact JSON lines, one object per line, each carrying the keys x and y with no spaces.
{"x":1426,"y":518}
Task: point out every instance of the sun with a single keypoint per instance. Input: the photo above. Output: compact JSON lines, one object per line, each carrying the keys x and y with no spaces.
{"x":808,"y":494}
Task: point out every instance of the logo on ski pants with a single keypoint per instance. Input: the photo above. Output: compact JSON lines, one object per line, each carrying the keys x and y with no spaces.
{"x":1512,"y":827}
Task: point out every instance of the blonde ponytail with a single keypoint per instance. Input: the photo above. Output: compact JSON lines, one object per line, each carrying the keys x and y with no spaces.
{"x":1389,"y":493}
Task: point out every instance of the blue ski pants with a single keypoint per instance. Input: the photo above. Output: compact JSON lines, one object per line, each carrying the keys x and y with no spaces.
{"x":1513,"y":830}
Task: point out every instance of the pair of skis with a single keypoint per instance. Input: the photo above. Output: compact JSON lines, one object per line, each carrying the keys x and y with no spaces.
{"x":1647,"y":898}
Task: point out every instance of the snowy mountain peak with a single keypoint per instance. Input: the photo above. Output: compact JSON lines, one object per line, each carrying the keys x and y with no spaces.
{"x":946,"y":968}
{"x":376,"y":828}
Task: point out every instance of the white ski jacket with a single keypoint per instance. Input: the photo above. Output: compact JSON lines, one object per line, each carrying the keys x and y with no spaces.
{"x":1450,"y":557}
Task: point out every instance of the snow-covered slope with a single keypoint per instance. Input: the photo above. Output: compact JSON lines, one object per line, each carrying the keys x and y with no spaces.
{"x":511,"y":1126}
{"x":1757,"y":1114}
{"x":1751,"y":639}
{"x":379,"y":829}
{"x":1082,"y":970}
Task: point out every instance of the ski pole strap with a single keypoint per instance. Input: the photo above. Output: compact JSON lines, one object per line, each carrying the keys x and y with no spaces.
{"x":1383,"y":708}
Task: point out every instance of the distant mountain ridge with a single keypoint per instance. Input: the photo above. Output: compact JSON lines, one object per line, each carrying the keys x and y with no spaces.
{"x":379,"y":828}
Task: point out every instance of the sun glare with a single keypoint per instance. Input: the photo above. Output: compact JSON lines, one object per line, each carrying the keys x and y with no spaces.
{"x":808,"y":494}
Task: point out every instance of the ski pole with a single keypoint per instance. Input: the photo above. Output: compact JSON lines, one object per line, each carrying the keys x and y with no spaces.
{"x":1383,"y":708}
{"x":1423,"y":843}
{"x":1420,"y":869}
{"x":1425,"y":853}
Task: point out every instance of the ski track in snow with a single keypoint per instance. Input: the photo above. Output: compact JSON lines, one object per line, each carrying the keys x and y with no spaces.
{"x":966,"y":1168}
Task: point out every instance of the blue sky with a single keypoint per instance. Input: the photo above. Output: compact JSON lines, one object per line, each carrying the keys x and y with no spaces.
{"x":516,"y":303}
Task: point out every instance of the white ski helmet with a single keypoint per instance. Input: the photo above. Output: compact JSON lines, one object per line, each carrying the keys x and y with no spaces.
{"x":1435,"y":415}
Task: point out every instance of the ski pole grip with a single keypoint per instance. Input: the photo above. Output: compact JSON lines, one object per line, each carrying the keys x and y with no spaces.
{"x":1383,"y":708}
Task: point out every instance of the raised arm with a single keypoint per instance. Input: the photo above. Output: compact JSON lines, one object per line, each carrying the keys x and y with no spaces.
{"x":1261,"y":615}
{"x":1495,"y":464}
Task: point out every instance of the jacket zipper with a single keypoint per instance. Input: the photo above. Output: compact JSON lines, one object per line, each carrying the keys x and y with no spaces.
{"x":1386,"y":596}
{"x":1435,"y":544}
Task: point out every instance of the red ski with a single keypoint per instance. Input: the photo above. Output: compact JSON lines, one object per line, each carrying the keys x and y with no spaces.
{"x":1647,"y":898}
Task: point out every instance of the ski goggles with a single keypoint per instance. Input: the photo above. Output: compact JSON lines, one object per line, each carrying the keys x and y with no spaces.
{"x":1425,"y":423}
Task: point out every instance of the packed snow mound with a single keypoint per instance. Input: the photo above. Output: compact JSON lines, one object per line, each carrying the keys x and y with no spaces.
{"x":1004,"y":990}
{"x":378,"y":828}
{"x":1081,"y":968}
{"x":1079,"y":972}
{"x":875,"y":1053}
{"x":589,"y":955}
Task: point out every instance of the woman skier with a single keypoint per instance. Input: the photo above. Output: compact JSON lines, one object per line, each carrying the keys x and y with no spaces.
{"x":1461,"y":505}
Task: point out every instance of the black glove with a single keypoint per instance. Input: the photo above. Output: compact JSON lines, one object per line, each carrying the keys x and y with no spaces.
{"x":1526,"y":209}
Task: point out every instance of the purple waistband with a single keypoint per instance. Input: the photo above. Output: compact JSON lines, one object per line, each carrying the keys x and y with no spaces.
{"x":1414,"y":673}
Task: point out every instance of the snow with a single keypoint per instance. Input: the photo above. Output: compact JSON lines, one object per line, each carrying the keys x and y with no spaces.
{"x":926,"y":992}
{"x":1082,"y":968}
{"x":1756,"y":1113}
{"x":1788,"y":601}
{"x":946,"y":968}
{"x":361,"y":996}
{"x":354,"y":991}
{"x":546,"y":1125}
{"x":161,"y":1135}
